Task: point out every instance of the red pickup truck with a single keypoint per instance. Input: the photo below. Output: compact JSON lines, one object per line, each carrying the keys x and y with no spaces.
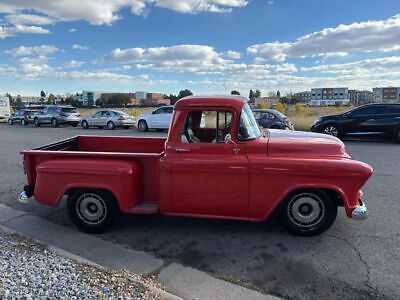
{"x":215,"y":163}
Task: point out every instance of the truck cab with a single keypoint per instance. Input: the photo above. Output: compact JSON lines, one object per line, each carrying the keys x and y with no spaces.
{"x":214,"y":163}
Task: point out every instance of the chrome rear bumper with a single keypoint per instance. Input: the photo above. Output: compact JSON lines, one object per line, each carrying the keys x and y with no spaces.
{"x":360,"y":212}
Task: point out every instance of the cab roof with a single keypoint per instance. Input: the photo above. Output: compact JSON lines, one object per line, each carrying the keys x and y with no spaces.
{"x":236,"y":102}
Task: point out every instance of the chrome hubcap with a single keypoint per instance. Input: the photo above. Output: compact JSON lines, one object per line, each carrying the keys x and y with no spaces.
{"x":141,"y":125}
{"x":331,"y":130}
{"x":306,"y":210}
{"x":91,"y":208}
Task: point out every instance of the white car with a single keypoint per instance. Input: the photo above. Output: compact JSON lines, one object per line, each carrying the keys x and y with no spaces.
{"x":158,"y":119}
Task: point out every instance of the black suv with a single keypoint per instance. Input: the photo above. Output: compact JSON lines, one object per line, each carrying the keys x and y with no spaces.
{"x":382,"y":118}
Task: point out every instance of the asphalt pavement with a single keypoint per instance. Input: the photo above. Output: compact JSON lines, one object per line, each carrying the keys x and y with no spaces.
{"x":353,"y":260}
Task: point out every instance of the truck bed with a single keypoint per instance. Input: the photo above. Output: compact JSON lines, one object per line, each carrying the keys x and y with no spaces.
{"x":146,"y":151}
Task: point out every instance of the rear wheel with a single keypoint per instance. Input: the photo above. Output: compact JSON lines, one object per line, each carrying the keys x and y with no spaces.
{"x":36,"y":122}
{"x":10,"y":122}
{"x":85,"y":125}
{"x":111,"y":125}
{"x":332,"y":129}
{"x":307,"y":212}
{"x":142,"y":126}
{"x":397,"y":137}
{"x":54,"y":123}
{"x":92,"y":211}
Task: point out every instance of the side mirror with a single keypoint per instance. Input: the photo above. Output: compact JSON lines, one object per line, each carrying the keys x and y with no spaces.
{"x":228,"y":139}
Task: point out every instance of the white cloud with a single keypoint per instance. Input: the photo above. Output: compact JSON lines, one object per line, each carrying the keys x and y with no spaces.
{"x":73,"y":64}
{"x":231,"y":54}
{"x":79,"y":47}
{"x":354,"y":38}
{"x":36,"y":50}
{"x":72,"y":30}
{"x":101,"y":12}
{"x":28,"y":19}
{"x":7,"y":31}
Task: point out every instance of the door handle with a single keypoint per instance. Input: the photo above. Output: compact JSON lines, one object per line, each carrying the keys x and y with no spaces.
{"x":182,"y":150}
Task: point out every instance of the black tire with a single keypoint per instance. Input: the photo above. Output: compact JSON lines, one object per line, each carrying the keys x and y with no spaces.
{"x":142,"y":126}
{"x":307,"y":212}
{"x":92,"y":211}
{"x":36,"y":122}
{"x":24,"y":122}
{"x":397,"y":136}
{"x":332,"y":129}
{"x":110,"y":125}
{"x":10,"y":122}
{"x":54,"y":123}
{"x":85,"y":125}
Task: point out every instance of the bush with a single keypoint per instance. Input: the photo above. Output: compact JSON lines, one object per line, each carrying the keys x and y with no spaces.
{"x":299,"y":108}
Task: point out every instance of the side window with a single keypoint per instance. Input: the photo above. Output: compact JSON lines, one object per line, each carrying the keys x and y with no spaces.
{"x":389,"y":109}
{"x":365,"y":111}
{"x":170,"y":110}
{"x":207,"y":126}
{"x":97,"y":115}
{"x":158,"y":111}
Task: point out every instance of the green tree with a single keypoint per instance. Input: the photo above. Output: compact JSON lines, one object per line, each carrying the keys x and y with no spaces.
{"x":251,"y":95}
{"x":184,"y":93}
{"x":42,"y":94}
{"x":257,"y":94}
{"x":51,"y":98}
{"x":118,"y":100}
{"x":278,"y":94}
{"x":173,"y":98}
{"x":234,"y":92}
{"x":69,"y":99}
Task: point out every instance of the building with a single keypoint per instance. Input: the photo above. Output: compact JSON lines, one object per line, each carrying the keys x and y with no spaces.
{"x":386,"y":94}
{"x":358,"y":97}
{"x":140,"y":95}
{"x":303,"y":96}
{"x":154,"y":99}
{"x":88,"y":98}
{"x":265,"y":101}
{"x":329,"y":96}
{"x":31,"y":100}
{"x":105,"y":97}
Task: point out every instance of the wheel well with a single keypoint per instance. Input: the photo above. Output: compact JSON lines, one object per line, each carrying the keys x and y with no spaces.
{"x":70,"y":191}
{"x":334,"y":195}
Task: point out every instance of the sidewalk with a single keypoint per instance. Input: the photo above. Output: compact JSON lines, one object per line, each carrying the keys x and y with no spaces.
{"x":178,"y":280}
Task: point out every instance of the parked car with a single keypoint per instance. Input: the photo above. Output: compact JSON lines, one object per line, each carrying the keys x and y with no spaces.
{"x":109,"y":119}
{"x":22,"y":116}
{"x":378,"y":118}
{"x":158,"y":119}
{"x":204,"y":168}
{"x":271,"y":118}
{"x":56,"y":115}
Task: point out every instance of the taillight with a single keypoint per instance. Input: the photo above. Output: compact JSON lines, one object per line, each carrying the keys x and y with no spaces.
{"x":121,"y":118}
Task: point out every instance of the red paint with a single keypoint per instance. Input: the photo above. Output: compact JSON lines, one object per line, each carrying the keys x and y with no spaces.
{"x":207,"y":180}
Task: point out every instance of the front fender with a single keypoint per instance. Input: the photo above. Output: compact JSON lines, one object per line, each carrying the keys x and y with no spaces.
{"x":57,"y":177}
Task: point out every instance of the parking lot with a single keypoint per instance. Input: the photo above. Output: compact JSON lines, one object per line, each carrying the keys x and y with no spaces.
{"x":353,"y":260}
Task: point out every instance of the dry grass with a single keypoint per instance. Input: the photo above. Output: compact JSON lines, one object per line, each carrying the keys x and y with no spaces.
{"x":303,"y":120}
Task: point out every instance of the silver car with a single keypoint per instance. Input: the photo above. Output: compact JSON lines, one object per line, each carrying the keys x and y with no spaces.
{"x":108,"y":118}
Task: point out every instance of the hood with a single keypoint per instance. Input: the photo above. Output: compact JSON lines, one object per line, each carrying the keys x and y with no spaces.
{"x":304,"y":144}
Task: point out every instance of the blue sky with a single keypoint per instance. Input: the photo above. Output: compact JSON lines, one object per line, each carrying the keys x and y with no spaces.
{"x":208,"y":46}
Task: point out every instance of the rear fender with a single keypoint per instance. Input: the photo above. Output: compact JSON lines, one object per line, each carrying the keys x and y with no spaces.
{"x":57,"y":177}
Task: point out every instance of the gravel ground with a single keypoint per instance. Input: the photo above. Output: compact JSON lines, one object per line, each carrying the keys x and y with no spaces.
{"x":29,"y":270}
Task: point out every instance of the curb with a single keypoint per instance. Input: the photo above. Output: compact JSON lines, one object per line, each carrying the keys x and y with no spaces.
{"x":180,"y":281}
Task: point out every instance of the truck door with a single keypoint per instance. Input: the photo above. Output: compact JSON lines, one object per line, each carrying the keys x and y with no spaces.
{"x":210,"y":173}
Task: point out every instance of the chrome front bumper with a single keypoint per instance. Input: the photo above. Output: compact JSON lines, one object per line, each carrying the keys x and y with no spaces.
{"x":360,"y":212}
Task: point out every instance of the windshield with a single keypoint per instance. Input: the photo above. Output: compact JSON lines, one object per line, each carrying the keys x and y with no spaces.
{"x":68,"y":109}
{"x":248,"y":127}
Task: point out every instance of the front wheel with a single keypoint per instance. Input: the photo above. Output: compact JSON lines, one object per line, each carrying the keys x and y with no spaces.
{"x":110,"y":125}
{"x":54,"y":123}
{"x":85,"y":125}
{"x":307,"y":212}
{"x":92,"y":211}
{"x":142,"y":126}
{"x":332,"y":129}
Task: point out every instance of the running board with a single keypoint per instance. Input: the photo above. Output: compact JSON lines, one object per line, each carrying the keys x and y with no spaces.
{"x":146,"y":208}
